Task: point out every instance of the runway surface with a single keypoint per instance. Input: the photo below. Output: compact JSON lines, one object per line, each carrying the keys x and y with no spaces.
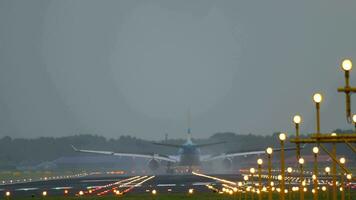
{"x":113,"y":185}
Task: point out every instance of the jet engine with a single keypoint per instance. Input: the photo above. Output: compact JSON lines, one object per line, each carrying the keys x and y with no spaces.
{"x":227,"y":163}
{"x":153,"y":164}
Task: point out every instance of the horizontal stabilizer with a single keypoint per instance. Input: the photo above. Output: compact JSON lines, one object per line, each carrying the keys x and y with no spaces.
{"x":168,"y":145}
{"x":210,"y":144}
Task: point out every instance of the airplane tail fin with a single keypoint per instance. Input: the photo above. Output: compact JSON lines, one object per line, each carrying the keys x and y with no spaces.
{"x":73,"y":147}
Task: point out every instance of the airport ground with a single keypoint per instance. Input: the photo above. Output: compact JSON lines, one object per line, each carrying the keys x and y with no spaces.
{"x":167,"y":187}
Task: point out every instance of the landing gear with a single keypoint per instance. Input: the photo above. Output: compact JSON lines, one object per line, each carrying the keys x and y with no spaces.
{"x":170,"y":170}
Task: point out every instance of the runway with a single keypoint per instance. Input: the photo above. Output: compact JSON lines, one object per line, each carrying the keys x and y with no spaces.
{"x":113,"y":185}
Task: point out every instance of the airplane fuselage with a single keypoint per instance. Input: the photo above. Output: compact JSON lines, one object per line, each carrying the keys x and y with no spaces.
{"x":189,"y":154}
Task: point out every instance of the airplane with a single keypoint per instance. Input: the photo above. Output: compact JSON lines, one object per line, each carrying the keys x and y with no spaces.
{"x":188,"y":154}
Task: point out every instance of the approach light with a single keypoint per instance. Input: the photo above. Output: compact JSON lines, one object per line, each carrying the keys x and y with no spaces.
{"x":346,"y":65}
{"x":327,"y":169}
{"x":190,"y":191}
{"x":314,"y":177}
{"x":297,"y":119}
{"x":269,"y":150}
{"x":315,"y":150}
{"x":44,"y":193}
{"x":252,"y":170}
{"x":342,"y":160}
{"x":260,"y":161}
{"x":349,"y":176}
{"x":81,"y":193}
{"x":245,"y":178}
{"x":301,"y":161}
{"x":289,"y":170}
{"x":279,"y":177}
{"x":154,"y":192}
{"x":323,"y":188}
{"x":354,"y":118}
{"x":282,"y":136}
{"x":317,"y":98}
{"x":7,"y":193}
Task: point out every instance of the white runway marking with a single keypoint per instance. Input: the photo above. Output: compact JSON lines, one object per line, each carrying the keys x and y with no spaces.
{"x":62,"y":188}
{"x":99,"y":180}
{"x":26,"y":189}
{"x":166,"y":185}
{"x":202,"y":183}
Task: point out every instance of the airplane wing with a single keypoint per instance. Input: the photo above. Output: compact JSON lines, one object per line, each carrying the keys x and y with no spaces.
{"x":247,"y":153}
{"x":210,"y":144}
{"x":133,"y":155}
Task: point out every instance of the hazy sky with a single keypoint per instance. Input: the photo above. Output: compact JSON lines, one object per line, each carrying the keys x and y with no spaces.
{"x":136,"y":67}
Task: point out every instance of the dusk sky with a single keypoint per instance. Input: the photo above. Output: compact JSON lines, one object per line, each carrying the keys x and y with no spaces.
{"x":135,"y":68}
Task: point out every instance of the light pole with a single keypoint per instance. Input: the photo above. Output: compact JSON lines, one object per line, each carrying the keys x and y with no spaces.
{"x":282,"y":138}
{"x":289,"y":170}
{"x":333,"y":169}
{"x":252,"y":171}
{"x":246,"y":179}
{"x":301,"y":163}
{"x":327,"y":171}
{"x":342,"y":188}
{"x":260,"y":162}
{"x":317,"y":97}
{"x":324,"y":189}
{"x":354,"y":120}
{"x":315,"y":177}
{"x":349,"y":177}
{"x":297,"y":119}
{"x":347,"y":66}
{"x":269,"y":152}
{"x":240,"y":189}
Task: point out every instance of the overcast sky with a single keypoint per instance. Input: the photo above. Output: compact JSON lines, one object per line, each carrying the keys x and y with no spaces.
{"x":136,"y":67}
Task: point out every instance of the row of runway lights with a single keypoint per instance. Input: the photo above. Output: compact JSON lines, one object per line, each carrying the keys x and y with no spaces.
{"x":230,"y":187}
{"x":119,"y":184}
{"x":6,"y":182}
{"x":47,"y":178}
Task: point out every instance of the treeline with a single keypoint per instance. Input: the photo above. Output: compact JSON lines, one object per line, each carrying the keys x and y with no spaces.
{"x":16,"y":151}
